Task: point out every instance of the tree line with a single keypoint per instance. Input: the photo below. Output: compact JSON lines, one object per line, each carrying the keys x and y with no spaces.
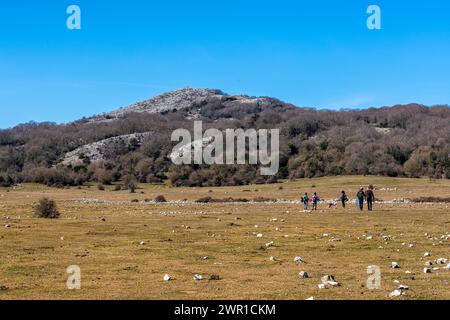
{"x":400,"y":141}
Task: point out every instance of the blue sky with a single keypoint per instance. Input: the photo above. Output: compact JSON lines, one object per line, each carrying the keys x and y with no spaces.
{"x":310,"y":53}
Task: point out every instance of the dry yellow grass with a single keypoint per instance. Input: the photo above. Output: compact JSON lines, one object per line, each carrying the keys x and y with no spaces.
{"x":177,"y":236}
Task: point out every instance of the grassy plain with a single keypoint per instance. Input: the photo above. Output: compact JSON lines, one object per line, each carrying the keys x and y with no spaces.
{"x":102,"y":231}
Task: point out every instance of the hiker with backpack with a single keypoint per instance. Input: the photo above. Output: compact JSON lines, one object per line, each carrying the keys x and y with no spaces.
{"x":370,"y":196}
{"x":305,"y":201}
{"x":343,"y":199}
{"x":360,"y":196}
{"x":315,"y":200}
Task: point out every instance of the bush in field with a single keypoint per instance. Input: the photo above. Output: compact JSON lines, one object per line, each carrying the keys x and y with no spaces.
{"x":6,"y":181}
{"x":204,"y":200}
{"x":46,"y":209}
{"x":117,"y":187}
{"x":160,"y":199}
{"x":101,"y":187}
{"x":131,"y":183}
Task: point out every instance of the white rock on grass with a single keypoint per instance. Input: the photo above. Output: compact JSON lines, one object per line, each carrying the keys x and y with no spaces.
{"x":259,"y":235}
{"x":298,"y":260}
{"x":395,"y":265}
{"x":321,"y":286}
{"x":198,"y":277}
{"x":329,"y":280}
{"x":270,"y":244}
{"x":447,"y":267}
{"x":303,"y":274}
{"x":427,"y":254}
{"x":396,"y":293}
{"x":167,"y":277}
{"x":426,"y":270}
{"x":310,"y":298}
{"x":441,"y":261}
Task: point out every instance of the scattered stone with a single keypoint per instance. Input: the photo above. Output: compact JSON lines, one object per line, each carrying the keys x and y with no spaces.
{"x":426,"y":270}
{"x":310,"y":298}
{"x":198,"y":277}
{"x":396,"y":293}
{"x":298,"y":260}
{"x":403,"y":287}
{"x":395,"y":265}
{"x":7,"y":226}
{"x":259,"y":235}
{"x":269,"y":244}
{"x":321,"y":286}
{"x":428,"y":263}
{"x":142,"y":243}
{"x":441,"y":261}
{"x":447,"y":267}
{"x":303,"y":274}
{"x":427,"y":254}
{"x":167,"y":277}
{"x":329,"y":280}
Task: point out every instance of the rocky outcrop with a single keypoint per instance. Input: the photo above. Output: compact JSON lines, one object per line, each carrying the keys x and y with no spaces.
{"x":101,"y":149}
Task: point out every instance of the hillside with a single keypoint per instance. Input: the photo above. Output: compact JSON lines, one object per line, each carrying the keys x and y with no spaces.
{"x":134,"y":142}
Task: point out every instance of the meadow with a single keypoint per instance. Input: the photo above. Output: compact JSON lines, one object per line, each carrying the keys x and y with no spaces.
{"x":124,"y":245}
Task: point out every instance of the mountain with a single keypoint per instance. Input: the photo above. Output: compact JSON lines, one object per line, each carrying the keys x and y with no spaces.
{"x":184,"y":99}
{"x":135,"y":142}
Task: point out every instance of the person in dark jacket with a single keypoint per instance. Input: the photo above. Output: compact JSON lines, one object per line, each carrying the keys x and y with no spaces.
{"x":360,"y":196}
{"x":370,"y":196}
{"x":315,"y":200}
{"x":343,"y":199}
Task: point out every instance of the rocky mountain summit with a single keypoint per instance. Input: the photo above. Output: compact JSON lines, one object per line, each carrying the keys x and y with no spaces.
{"x":191,"y":99}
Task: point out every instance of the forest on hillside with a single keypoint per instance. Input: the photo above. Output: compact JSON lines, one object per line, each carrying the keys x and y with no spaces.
{"x":410,"y":141}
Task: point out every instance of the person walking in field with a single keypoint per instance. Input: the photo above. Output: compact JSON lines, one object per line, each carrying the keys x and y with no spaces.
{"x":370,"y":196}
{"x":360,"y":196}
{"x":315,"y":200}
{"x":305,"y":200}
{"x":343,"y":199}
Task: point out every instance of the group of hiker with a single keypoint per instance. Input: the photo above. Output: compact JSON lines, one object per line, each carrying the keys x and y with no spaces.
{"x":362,"y":196}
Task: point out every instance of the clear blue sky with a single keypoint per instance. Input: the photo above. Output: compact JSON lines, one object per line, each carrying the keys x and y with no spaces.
{"x":310,"y":53}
